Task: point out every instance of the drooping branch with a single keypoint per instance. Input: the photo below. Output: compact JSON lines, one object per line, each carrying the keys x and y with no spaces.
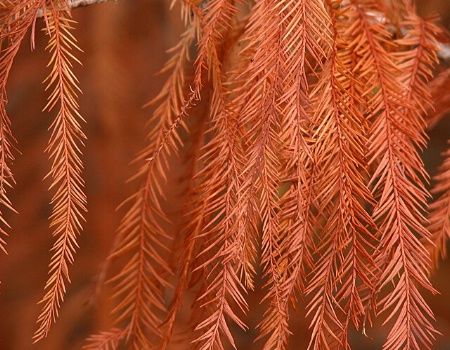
{"x":66,"y":140}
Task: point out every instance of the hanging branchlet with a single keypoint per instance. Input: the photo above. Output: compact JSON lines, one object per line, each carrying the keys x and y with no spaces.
{"x":69,"y":200}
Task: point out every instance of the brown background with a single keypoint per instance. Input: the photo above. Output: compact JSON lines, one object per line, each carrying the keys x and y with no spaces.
{"x":124,"y":45}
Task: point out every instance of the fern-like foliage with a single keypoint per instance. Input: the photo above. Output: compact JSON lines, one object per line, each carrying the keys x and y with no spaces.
{"x":17,"y":17}
{"x":314,"y":118}
{"x":440,"y":213}
{"x":141,"y":282}
{"x":344,"y":264}
{"x":69,"y":200}
{"x":402,"y":231}
{"x":303,"y":122}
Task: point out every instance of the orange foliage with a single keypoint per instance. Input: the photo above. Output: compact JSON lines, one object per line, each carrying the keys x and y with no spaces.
{"x":282,"y":163}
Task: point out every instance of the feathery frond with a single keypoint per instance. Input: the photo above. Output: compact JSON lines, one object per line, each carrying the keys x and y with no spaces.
{"x":15,"y":20}
{"x":106,"y":340}
{"x":272,"y":45}
{"x":439,"y":216}
{"x":345,"y":244}
{"x":69,"y":200}
{"x":259,"y":87}
{"x":440,"y":98}
{"x":306,"y":44}
{"x":394,"y":105}
{"x":223,"y":255}
{"x":142,"y":238}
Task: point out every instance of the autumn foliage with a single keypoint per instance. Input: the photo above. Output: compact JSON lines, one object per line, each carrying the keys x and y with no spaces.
{"x":300,"y":125}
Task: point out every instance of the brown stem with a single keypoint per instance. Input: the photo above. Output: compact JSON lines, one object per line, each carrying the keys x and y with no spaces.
{"x":72,"y":4}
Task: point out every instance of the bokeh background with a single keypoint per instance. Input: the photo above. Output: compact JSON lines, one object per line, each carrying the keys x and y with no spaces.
{"x":124,"y":44}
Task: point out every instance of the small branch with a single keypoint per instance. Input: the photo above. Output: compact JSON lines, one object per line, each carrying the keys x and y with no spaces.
{"x":73,"y":4}
{"x":81,"y":3}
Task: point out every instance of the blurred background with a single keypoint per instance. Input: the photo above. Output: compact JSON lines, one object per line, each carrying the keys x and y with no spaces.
{"x":124,"y":44}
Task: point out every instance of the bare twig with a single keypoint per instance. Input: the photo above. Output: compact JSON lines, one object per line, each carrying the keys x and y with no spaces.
{"x":73,"y":4}
{"x":81,"y":3}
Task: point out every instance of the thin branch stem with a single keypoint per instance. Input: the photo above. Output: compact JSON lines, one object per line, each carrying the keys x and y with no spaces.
{"x":73,"y":4}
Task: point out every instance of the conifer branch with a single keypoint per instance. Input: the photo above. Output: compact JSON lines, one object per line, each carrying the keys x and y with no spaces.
{"x":12,"y":33}
{"x":439,"y":216}
{"x":397,"y":129}
{"x":344,"y":248}
{"x":260,"y":112}
{"x":223,"y":254}
{"x":142,"y":239}
{"x":64,"y":148}
{"x":308,"y":21}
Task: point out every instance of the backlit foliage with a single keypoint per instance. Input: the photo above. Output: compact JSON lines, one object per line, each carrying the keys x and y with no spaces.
{"x":301,"y":123}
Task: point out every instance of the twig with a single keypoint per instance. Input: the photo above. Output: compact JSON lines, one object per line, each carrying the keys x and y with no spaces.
{"x":73,"y":4}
